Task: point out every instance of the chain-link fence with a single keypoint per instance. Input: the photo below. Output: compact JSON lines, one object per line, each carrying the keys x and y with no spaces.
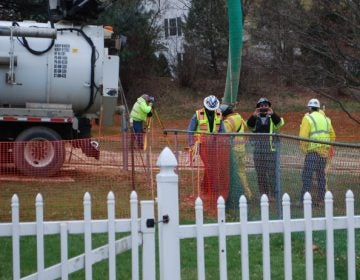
{"x":223,"y":164}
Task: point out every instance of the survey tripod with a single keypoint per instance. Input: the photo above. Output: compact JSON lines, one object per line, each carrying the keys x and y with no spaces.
{"x":141,"y":148}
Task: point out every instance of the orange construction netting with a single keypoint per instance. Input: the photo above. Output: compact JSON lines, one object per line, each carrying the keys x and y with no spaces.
{"x":217,"y":167}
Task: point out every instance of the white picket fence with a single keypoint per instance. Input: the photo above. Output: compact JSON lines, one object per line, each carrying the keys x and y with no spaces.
{"x":140,"y":234}
{"x":171,"y":233}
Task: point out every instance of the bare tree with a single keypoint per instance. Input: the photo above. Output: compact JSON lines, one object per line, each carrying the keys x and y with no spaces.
{"x":315,"y":45}
{"x":206,"y":33}
{"x":21,"y":10}
{"x":38,"y":10}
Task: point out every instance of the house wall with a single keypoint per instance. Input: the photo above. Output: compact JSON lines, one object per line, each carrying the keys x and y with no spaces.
{"x":171,"y":15}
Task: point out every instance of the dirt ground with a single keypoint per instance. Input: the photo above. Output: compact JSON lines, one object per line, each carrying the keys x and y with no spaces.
{"x":178,"y":104}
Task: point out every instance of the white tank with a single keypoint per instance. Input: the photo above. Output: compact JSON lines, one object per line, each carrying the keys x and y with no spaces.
{"x":61,"y":76}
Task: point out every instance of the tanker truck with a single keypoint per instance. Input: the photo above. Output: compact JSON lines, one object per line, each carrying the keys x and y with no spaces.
{"x":55,"y":79}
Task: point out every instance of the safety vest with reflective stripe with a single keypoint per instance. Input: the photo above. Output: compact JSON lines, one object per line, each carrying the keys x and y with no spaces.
{"x":234,"y":123}
{"x":140,"y":110}
{"x":273,"y":128}
{"x":203,"y":123}
{"x":319,"y":130}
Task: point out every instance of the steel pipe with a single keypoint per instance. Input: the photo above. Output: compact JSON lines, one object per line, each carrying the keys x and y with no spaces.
{"x":19,"y":31}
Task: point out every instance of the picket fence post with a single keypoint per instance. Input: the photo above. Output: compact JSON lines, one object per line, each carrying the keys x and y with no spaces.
{"x":222,"y":237}
{"x":111,"y":235}
{"x":168,"y":215}
{"x":64,"y":251}
{"x":15,"y":236}
{"x":329,"y":216}
{"x":287,"y":237}
{"x":148,"y":233}
{"x":243,"y":214}
{"x":40,"y":236}
{"x":200,"y":238}
{"x":265,"y":236}
{"x":350,"y":235}
{"x":87,"y":236}
{"x":308,"y":237}
{"x":134,"y":236}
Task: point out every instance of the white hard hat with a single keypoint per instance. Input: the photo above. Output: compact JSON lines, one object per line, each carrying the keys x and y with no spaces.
{"x":211,"y":103}
{"x":314,"y":103}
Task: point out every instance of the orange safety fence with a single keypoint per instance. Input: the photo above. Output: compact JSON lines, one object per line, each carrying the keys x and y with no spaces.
{"x":222,"y":165}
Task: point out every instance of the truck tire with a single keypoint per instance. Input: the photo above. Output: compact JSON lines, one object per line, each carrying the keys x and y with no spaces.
{"x":39,"y":151}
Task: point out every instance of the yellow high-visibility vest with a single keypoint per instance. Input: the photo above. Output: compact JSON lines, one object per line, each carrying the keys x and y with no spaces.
{"x":319,"y":130}
{"x":203,"y":122}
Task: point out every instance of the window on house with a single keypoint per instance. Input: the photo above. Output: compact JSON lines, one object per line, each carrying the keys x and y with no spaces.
{"x":173,"y":27}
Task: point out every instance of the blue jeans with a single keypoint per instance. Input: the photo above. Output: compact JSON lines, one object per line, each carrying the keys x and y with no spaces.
{"x":138,"y":131}
{"x":314,"y":163}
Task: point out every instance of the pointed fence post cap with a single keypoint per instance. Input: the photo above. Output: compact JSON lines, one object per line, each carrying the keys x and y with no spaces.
{"x":166,"y":158}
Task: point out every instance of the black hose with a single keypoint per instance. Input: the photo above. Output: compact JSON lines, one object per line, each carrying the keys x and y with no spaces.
{"x":92,"y":62}
{"x":25,"y":43}
{"x":92,"y":59}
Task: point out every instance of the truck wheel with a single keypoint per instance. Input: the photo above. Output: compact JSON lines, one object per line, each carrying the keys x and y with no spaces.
{"x":39,"y":151}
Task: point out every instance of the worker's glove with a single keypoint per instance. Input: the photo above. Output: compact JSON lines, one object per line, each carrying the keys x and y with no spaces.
{"x":149,"y":114}
{"x":195,"y":150}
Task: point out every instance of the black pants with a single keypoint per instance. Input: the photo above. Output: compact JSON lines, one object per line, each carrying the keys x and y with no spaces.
{"x":265,"y":166}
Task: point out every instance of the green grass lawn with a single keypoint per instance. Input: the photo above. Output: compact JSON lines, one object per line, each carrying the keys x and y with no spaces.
{"x":63,"y":201}
{"x":188,"y":256}
{"x":291,"y":182}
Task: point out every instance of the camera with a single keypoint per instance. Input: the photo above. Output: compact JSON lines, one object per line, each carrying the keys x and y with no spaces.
{"x":263,"y":110}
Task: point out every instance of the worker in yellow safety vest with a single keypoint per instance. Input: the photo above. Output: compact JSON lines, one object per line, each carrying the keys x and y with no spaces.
{"x":234,"y":123}
{"x":138,"y":115}
{"x":315,"y":126}
{"x":206,"y":122}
